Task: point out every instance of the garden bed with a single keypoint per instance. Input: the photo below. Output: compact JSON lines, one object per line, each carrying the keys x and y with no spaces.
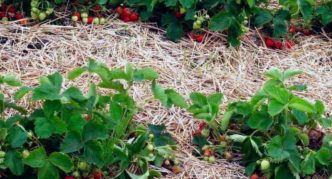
{"x":187,"y":66}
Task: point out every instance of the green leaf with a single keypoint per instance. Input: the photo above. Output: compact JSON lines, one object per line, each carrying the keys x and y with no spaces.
{"x":76,"y":73}
{"x":94,"y":130}
{"x":174,"y":31}
{"x":215,"y":98}
{"x":289,"y":73}
{"x":146,"y":74}
{"x":225,"y":120}
{"x":238,"y":138}
{"x":37,"y":158}
{"x":198,"y":98}
{"x":49,"y":88}
{"x":323,"y":156}
{"x":187,"y":3}
{"x":279,"y":94}
{"x":281,"y":23}
{"x":251,"y":3}
{"x":16,"y":137}
{"x":280,"y":148}
{"x":3,"y":134}
{"x":21,"y":92}
{"x":170,"y":3}
{"x":302,"y":105}
{"x":44,"y":128}
{"x":221,"y":21}
{"x":62,"y":161}
{"x":176,"y":98}
{"x":260,"y":121}
{"x":250,"y":169}
{"x":274,"y":73}
{"x":71,"y":143}
{"x":11,"y":80}
{"x":301,"y":117}
{"x":308,"y":164}
{"x":144,"y":176}
{"x":325,"y":14}
{"x":326,"y":142}
{"x":93,"y":153}
{"x":48,"y":171}
{"x":275,"y":107}
{"x":159,"y":93}
{"x":13,"y":161}
{"x":102,"y":2}
{"x":76,"y":122}
{"x":283,"y":171}
{"x":263,"y":17}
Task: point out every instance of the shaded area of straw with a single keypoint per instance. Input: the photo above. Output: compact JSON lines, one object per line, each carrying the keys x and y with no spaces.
{"x":185,"y":66}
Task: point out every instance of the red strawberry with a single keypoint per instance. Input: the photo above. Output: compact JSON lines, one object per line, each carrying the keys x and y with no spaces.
{"x":69,"y":177}
{"x":11,"y":9}
{"x":119,"y":10}
{"x":97,"y":175}
{"x":278,"y":45}
{"x":289,"y":44}
{"x":19,"y":16}
{"x":87,"y":117}
{"x":134,"y":16}
{"x":254,"y":176}
{"x":198,"y":133}
{"x":199,"y":38}
{"x":208,"y":152}
{"x":90,"y":20}
{"x":2,"y":14}
{"x":202,"y":125}
{"x":306,"y":32}
{"x":269,"y":43}
{"x":292,"y":29}
{"x":178,"y":14}
{"x":125,"y":19}
{"x":97,"y":7}
{"x":125,"y":12}
{"x":78,"y":15}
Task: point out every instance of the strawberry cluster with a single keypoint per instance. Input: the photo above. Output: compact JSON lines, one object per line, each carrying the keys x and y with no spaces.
{"x":126,"y":15}
{"x":87,"y":19}
{"x":270,"y":43}
{"x":10,"y":13}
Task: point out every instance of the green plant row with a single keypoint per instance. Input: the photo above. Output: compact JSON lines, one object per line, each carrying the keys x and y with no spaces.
{"x":233,"y":17}
{"x":65,"y":133}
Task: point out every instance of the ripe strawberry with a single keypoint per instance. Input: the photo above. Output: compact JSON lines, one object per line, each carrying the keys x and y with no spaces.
{"x":176,"y":170}
{"x":125,"y":12}
{"x":202,"y":125}
{"x":97,"y":8}
{"x":292,"y":29}
{"x":19,"y":16}
{"x":306,"y":32}
{"x":119,"y":10}
{"x":134,"y":16}
{"x":178,"y":14}
{"x":90,"y":20}
{"x":11,"y":9}
{"x":254,"y":176}
{"x":289,"y":44}
{"x":125,"y":19}
{"x":97,"y":175}
{"x":2,"y":14}
{"x":199,"y":38}
{"x":269,"y":43}
{"x":78,"y":15}
{"x":278,"y":45}
{"x":198,"y":133}
{"x":69,"y":177}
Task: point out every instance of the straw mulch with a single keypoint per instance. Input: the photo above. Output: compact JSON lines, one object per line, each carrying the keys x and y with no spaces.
{"x":185,"y":66}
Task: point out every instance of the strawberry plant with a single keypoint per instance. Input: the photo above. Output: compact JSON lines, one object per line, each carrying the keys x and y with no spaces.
{"x":73,"y":135}
{"x":278,"y":133}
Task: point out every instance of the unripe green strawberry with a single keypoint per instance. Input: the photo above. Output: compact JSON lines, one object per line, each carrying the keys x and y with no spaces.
{"x":212,"y":159}
{"x":49,"y":11}
{"x":96,"y":20}
{"x":34,"y":3}
{"x":150,"y":147}
{"x":265,"y":165}
{"x":2,"y":154}
{"x":196,"y":26}
{"x":205,"y":132}
{"x":29,"y":134}
{"x":238,"y":1}
{"x":205,"y":147}
{"x":42,"y":16}
{"x":34,"y":16}
{"x":102,"y":20}
{"x":223,"y":144}
{"x":176,"y":162}
{"x":83,"y":166}
{"x":2,"y":160}
{"x":25,"y":153}
{"x":330,"y":143}
{"x":74,"y":18}
{"x":4,"y":19}
{"x":151,"y":136}
{"x":35,"y":10}
{"x":85,"y":20}
{"x":183,"y":10}
{"x":76,"y":174}
{"x":206,"y":158}
{"x":151,"y":155}
{"x":84,"y":15}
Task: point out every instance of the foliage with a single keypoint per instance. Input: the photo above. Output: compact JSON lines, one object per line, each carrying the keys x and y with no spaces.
{"x":278,"y":132}
{"x":76,"y":134}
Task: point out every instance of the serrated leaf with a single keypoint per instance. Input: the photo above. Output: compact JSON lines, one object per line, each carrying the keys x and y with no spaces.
{"x":221,"y":21}
{"x":37,"y":158}
{"x":263,"y":17}
{"x":76,"y":73}
{"x":176,"y":98}
{"x":93,"y":130}
{"x":260,"y":121}
{"x":289,"y":73}
{"x":323,"y":156}
{"x":13,"y":161}
{"x":302,"y":105}
{"x":48,"y":171}
{"x":187,"y":3}
{"x":11,"y":80}
{"x":279,"y":94}
{"x":62,"y":161}
{"x":49,"y":88}
{"x":72,"y":142}
{"x":159,"y":93}
{"x":280,"y":148}
{"x":238,"y":138}
{"x":301,"y":117}
{"x":255,"y":147}
{"x":22,"y":92}
{"x":225,"y":120}
{"x":308,"y":165}
{"x":16,"y":137}
{"x":275,"y":107}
